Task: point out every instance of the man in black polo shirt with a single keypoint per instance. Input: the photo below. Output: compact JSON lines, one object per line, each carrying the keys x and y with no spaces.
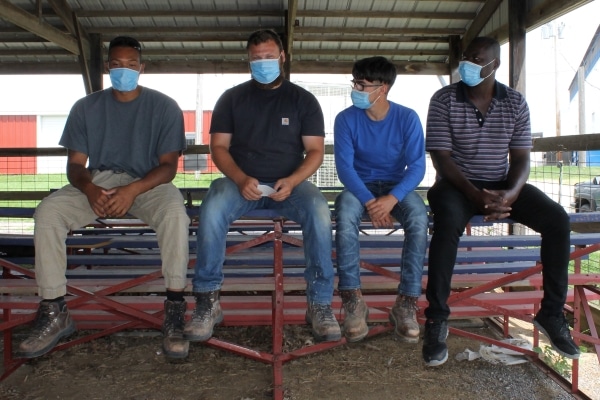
{"x":473,"y":128}
{"x":267,"y":138}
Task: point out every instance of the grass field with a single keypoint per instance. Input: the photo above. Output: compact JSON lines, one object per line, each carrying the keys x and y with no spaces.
{"x":44,"y":182}
{"x":40,"y":182}
{"x":569,"y":176}
{"x":589,"y":266}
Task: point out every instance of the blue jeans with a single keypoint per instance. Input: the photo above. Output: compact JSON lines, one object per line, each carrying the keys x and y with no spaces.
{"x":410,"y":212}
{"x":306,"y":205}
{"x":452,"y":210}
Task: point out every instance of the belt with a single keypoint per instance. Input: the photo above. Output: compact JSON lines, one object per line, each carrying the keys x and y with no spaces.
{"x":114,"y":170}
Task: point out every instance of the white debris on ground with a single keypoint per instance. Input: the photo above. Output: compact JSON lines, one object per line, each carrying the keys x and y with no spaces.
{"x":497,"y":354}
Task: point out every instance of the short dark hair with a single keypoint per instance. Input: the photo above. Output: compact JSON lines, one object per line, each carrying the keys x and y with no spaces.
{"x":486,"y":42}
{"x":375,"y":69}
{"x":125,"y":41}
{"x":262,"y":36}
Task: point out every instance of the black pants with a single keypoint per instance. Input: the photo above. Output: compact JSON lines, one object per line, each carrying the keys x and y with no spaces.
{"x":451,"y":213}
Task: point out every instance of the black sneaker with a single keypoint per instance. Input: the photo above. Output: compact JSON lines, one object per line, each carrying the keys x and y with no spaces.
{"x":556,"y":329}
{"x":435,"y":351}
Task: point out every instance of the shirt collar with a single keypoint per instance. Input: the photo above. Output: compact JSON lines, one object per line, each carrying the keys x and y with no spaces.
{"x":461,"y":95}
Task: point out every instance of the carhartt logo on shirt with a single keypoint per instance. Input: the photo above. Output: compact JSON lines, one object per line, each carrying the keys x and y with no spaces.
{"x":285,"y":121}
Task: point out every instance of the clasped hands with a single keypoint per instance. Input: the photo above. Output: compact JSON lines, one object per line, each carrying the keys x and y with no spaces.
{"x":379,"y":211}
{"x":113,"y":202}
{"x":496,"y":204}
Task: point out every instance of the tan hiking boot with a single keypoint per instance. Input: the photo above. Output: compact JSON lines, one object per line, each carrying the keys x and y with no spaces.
{"x":325,"y":327}
{"x":52,"y":322}
{"x":206,"y":315}
{"x":356,"y":312}
{"x":404,"y":318}
{"x":174,"y":345}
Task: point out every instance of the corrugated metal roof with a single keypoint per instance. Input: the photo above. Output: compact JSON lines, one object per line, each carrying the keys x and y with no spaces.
{"x":183,"y":36}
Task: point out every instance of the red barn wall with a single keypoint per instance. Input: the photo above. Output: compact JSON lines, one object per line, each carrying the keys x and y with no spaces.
{"x":18,"y":131}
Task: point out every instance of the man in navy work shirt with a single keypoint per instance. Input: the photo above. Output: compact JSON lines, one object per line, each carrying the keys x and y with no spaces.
{"x":130,"y":137}
{"x":380,"y":159}
{"x":267,"y":138}
{"x":479,"y":138}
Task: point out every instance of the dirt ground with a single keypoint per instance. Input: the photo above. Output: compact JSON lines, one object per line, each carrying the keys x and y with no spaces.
{"x":131,"y":366}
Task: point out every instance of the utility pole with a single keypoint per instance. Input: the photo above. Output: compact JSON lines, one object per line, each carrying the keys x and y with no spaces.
{"x":554,"y":30}
{"x":199,"y":109}
{"x":581,"y":101}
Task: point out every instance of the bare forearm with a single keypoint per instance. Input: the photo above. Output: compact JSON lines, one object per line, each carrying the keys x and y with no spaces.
{"x":518,"y":173}
{"x":225,"y":163}
{"x":448,"y":170}
{"x":309,"y":166}
{"x":164,"y":173}
{"x":79,"y":176}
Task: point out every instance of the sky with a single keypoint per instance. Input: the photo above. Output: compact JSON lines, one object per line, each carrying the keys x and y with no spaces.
{"x":55,"y":94}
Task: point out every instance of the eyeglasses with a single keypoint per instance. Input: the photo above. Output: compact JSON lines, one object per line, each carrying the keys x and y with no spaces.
{"x":361,"y":86}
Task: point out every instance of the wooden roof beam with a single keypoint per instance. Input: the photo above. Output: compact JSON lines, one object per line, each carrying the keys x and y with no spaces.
{"x":183,"y":30}
{"x":195,"y":30}
{"x":546,"y":12}
{"x":69,"y":20}
{"x":31,"y":23}
{"x":483,"y":17}
{"x":132,"y":13}
{"x":381,"y":31}
{"x":64,"y":12}
{"x":290,"y":25}
{"x":199,"y":52}
{"x":220,"y":67}
{"x":385,"y":14}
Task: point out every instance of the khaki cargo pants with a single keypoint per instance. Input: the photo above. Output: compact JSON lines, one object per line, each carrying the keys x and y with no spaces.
{"x":162,"y":208}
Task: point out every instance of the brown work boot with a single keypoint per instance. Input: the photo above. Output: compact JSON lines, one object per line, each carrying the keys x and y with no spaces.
{"x":404,"y":318}
{"x":174,"y":345}
{"x":356,"y":312}
{"x":206,"y":315}
{"x":52,"y":322}
{"x":325,"y":327}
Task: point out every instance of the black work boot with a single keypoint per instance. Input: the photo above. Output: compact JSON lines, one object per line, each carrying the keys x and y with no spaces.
{"x":556,"y":329}
{"x":52,"y":322}
{"x":325,"y":327}
{"x":355,"y":315}
{"x":206,"y":315}
{"x":174,"y":344}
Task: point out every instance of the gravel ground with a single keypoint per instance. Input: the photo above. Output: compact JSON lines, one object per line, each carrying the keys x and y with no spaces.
{"x":589,"y":364}
{"x":381,"y":367}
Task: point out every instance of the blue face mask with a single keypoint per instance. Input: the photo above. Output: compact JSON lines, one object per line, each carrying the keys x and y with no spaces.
{"x":265,"y":71}
{"x":124,"y":79}
{"x":361,"y":99}
{"x":470,"y":73}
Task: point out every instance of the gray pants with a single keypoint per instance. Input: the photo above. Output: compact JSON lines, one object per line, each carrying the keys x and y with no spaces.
{"x":162,"y":208}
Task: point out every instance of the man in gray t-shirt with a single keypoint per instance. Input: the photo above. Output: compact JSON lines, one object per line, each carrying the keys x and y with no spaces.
{"x":123,"y":145}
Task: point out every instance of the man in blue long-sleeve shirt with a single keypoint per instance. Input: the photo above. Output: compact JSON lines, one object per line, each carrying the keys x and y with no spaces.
{"x":380,"y":159}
